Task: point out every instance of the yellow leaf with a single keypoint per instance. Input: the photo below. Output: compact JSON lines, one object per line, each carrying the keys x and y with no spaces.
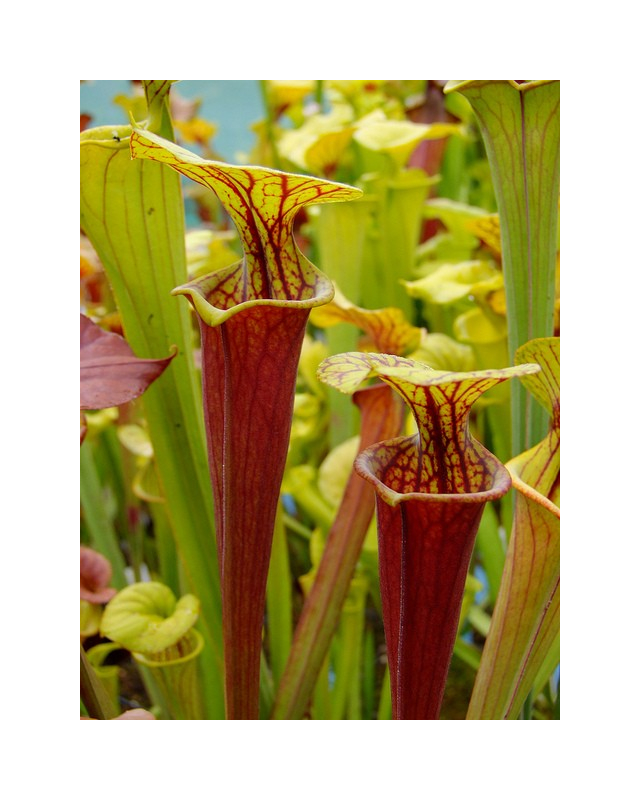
{"x":488,"y":230}
{"x":387,"y":328}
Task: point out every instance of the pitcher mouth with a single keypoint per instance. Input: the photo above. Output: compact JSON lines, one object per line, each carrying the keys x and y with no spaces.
{"x":212,"y":296}
{"x":182,"y":651}
{"x":374,"y":468}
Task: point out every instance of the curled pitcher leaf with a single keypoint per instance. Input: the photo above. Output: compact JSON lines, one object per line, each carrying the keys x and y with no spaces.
{"x":456,"y":219}
{"x":159,"y":631}
{"x":526,"y":619}
{"x":487,"y":229}
{"x":146,"y":617}
{"x":431,"y":489}
{"x":252,"y":318}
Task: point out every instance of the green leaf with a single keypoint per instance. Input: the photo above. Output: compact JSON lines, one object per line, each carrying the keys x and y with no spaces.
{"x":520,"y":126}
{"x":133,"y":213}
{"x":339,"y":234}
{"x":393,"y":236}
{"x":526,"y":618}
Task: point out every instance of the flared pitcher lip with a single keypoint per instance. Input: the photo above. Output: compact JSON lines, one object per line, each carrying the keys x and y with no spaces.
{"x":213,"y":315}
{"x":501,"y":480}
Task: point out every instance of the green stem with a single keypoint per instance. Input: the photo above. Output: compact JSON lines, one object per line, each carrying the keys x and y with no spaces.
{"x":270,"y":127}
{"x":349,"y":650}
{"x":93,"y":694}
{"x":279,"y":601}
{"x":321,"y":698}
{"x":300,"y":482}
{"x":384,"y":705}
{"x":107,"y":454}
{"x":99,"y":526}
{"x":297,"y":527}
{"x":339,"y":236}
{"x":491,"y":549}
{"x":266,"y":688}
{"x":527,"y":708}
{"x":392,"y":242}
{"x":368,"y":673}
{"x":165,"y":547}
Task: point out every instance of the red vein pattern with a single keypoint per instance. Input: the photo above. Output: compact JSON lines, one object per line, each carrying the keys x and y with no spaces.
{"x":252,"y":319}
{"x":526,"y":618}
{"x":156,"y":91}
{"x":431,"y":489}
{"x":263,"y":204}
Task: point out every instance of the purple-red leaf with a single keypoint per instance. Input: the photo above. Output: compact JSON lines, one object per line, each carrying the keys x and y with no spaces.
{"x":95,"y":576}
{"x":110,"y":373}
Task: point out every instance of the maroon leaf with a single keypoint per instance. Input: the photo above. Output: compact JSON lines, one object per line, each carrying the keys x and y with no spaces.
{"x":110,"y":373}
{"x":95,"y":576}
{"x":249,"y":368}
